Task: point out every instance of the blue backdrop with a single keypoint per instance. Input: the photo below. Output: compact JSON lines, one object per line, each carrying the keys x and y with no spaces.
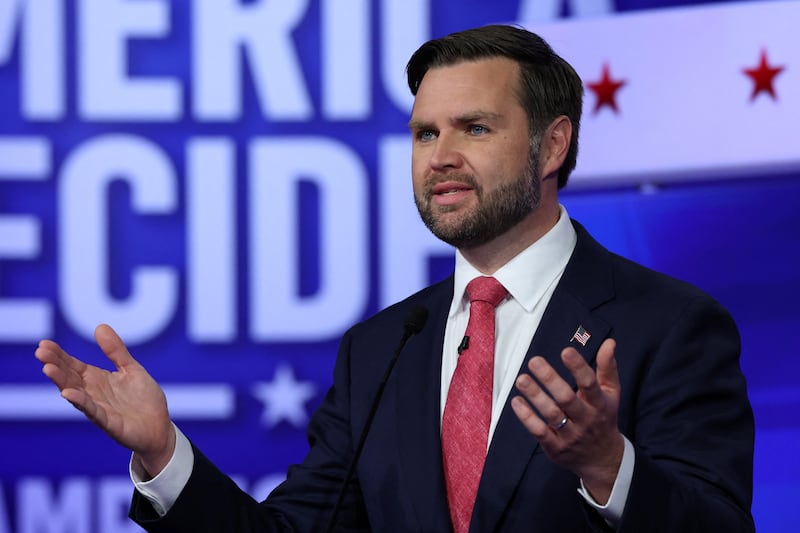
{"x":209,"y":177}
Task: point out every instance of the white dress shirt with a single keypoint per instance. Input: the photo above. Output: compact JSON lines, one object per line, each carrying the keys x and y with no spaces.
{"x":530,"y":278}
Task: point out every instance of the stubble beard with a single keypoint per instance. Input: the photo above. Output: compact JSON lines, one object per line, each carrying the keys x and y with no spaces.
{"x":496,"y":213}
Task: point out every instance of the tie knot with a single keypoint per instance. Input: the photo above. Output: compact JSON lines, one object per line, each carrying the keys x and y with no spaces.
{"x":486,"y":289}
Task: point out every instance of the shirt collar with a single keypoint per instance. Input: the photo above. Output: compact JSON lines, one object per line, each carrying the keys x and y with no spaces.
{"x":528,"y":275}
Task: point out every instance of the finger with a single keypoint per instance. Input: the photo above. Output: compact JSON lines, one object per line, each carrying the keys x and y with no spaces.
{"x":84,"y":403}
{"x":47,"y":348}
{"x":58,"y":376}
{"x":63,"y":369}
{"x":67,"y":373}
{"x":548,"y":409}
{"x":560,"y":399}
{"x":607,"y":372}
{"x":66,"y":380}
{"x":113,"y":347}
{"x":585,"y":378}
{"x":594,"y":387}
{"x":578,"y":367}
{"x":532,"y":422}
{"x":50,"y":352}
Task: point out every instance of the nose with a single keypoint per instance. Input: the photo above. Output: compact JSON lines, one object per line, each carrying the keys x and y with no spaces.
{"x":446,"y":153}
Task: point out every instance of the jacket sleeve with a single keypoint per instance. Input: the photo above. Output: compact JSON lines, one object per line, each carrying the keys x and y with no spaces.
{"x":212,"y":502}
{"x":692,"y":426}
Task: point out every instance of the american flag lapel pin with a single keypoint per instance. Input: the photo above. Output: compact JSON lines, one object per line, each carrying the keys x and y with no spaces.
{"x":581,"y":335}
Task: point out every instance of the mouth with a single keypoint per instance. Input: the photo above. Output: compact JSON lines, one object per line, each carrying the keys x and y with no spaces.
{"x":449,"y":188}
{"x":450,"y":193}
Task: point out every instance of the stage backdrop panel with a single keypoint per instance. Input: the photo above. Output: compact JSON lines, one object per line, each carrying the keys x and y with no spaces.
{"x":228,"y":185}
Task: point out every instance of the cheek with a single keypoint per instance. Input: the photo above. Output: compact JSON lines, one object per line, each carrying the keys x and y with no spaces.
{"x":419,"y":170}
{"x":515,"y":162}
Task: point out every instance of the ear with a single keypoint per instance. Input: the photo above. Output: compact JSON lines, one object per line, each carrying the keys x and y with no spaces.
{"x":554,"y":146}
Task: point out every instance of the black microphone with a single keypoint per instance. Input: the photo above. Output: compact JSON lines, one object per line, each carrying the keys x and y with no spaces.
{"x":413,"y":324}
{"x":464,"y":344}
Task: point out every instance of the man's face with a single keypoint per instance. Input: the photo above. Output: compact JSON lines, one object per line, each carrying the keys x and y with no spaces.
{"x":473,"y":167}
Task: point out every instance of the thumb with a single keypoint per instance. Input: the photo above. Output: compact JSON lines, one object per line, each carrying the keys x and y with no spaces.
{"x":112,"y":345}
{"x":607,"y":374}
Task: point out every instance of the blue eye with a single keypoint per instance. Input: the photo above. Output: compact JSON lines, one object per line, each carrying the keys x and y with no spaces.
{"x":477,"y":129}
{"x":425,"y":135}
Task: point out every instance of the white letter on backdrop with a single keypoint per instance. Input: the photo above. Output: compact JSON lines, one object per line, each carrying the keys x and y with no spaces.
{"x":211,"y":239}
{"x":262,"y":31}
{"x":40,"y":509}
{"x":346,"y":60}
{"x":84,"y":243}
{"x":277,"y":311}
{"x":23,"y":320}
{"x":105,"y":90}
{"x":405,"y":25}
{"x":41,"y":61}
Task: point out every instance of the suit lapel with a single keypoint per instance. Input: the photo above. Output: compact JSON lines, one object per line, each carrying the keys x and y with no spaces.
{"x":586,"y":284}
{"x":418,"y":390}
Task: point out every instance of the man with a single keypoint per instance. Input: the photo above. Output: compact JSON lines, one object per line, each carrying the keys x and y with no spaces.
{"x":637,"y":419}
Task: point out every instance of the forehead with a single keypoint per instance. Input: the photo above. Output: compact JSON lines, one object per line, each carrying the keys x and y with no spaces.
{"x":486,"y":83}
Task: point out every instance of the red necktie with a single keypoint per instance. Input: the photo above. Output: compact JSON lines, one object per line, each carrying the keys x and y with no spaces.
{"x":468,"y":410}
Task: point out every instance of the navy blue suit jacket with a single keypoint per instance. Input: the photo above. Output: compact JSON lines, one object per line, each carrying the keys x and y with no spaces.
{"x":684,"y":407}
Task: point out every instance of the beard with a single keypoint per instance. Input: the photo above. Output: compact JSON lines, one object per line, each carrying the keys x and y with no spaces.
{"x":497,"y":212}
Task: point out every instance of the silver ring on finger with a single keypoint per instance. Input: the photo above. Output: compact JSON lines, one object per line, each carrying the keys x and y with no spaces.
{"x":561,"y":424}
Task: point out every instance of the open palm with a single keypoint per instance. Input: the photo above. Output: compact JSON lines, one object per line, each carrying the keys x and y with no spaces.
{"x":127,"y":403}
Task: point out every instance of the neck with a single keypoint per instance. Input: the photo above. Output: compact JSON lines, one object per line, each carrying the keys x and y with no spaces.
{"x":489,"y":257}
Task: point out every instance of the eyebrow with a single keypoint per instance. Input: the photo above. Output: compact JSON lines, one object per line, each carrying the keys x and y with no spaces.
{"x":419,"y":125}
{"x":466,"y":118}
{"x":476,"y":116}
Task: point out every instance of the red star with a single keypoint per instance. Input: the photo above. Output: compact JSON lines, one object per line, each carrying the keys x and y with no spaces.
{"x":762,"y":77}
{"x":606,"y":90}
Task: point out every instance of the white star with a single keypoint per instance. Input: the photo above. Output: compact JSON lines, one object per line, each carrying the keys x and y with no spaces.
{"x":284,"y":398}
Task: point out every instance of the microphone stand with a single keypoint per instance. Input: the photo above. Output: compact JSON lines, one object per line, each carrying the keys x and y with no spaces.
{"x":414,"y":322}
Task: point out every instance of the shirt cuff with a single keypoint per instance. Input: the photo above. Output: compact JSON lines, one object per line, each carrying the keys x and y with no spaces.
{"x":164,"y":489}
{"x":612,"y":510}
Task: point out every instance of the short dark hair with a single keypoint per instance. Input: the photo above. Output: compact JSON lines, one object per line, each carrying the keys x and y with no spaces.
{"x":549,"y":86}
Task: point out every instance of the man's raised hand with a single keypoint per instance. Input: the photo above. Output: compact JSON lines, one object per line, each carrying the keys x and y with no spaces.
{"x":127,"y":403}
